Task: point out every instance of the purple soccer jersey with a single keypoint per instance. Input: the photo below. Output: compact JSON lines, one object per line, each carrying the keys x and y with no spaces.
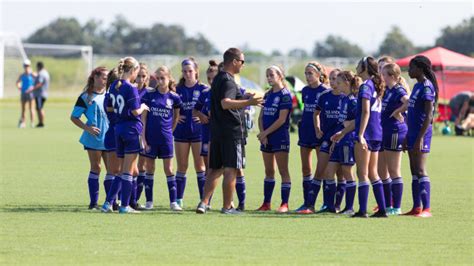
{"x":422,"y":92}
{"x":203,"y":104}
{"x":124,"y":100}
{"x":189,"y":130}
{"x":306,"y":133}
{"x":274,"y":103}
{"x":159,"y":122}
{"x":347,"y":112}
{"x":390,"y":102}
{"x":329,"y":104}
{"x":373,"y":131}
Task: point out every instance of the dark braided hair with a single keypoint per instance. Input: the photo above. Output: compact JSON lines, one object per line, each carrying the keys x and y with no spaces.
{"x":424,"y":64}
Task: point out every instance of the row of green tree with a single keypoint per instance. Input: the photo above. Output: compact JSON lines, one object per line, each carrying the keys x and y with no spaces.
{"x":122,"y":37}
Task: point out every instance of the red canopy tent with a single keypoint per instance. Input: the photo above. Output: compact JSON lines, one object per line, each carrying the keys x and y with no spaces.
{"x":454,"y":71}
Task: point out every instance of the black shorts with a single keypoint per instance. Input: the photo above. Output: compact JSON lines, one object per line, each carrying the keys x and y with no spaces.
{"x":39,"y":102}
{"x":227,"y":153}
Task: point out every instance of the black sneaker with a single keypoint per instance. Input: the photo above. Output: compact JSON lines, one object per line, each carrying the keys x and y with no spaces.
{"x":40,"y":125}
{"x":201,"y":208}
{"x":379,"y":214}
{"x":115,"y":206}
{"x":241,"y":207}
{"x":94,"y":207}
{"x":360,"y":214}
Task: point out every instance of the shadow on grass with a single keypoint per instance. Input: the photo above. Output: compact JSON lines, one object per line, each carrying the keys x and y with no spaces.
{"x":161,"y":210}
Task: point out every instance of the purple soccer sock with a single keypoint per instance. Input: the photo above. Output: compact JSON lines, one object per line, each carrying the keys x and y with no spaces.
{"x":387,"y":192}
{"x":285,"y":192}
{"x":133,"y":194}
{"x":425,"y":191}
{"x":313,"y":194}
{"x":363,"y":196}
{"x":350,"y":194}
{"x":268,"y":186}
{"x":114,"y":189}
{"x":180,"y":184}
{"x":415,"y":192}
{"x":127,"y":180}
{"x":148,"y":184}
{"x":240,"y":189}
{"x":93,"y":184}
{"x":377,"y":187}
{"x":108,"y":180}
{"x":306,"y":188}
{"x":201,"y":180}
{"x":397,"y":191}
{"x":140,"y":184}
{"x":330,"y":194}
{"x":340,"y":191}
{"x":171,"y":181}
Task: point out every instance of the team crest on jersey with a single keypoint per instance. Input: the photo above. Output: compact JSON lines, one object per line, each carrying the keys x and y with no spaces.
{"x":427,"y":90}
{"x":169,"y":103}
{"x":196,"y":94}
{"x":324,"y":144}
{"x":276,"y":100}
{"x":286,"y":98}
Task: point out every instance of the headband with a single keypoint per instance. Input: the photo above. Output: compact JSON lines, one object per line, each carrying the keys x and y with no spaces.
{"x":187,"y":62}
{"x":276,"y":68}
{"x":314,"y":66}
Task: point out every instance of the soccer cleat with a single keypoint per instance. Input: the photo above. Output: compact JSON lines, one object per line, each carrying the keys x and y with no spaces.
{"x":230,"y":211}
{"x":115,"y":206}
{"x":283,"y":208}
{"x":414,"y":211}
{"x":305,"y":211}
{"x":395,"y":211}
{"x":323,"y":207}
{"x":379,"y":214}
{"x":326,"y":210}
{"x":180,"y":203}
{"x":266,"y":206}
{"x":241,"y":207}
{"x":201,"y":208}
{"x":426,"y":213}
{"x":301,"y":208}
{"x":94,"y":207}
{"x":347,"y":212}
{"x":128,"y":209}
{"x":360,"y":214}
{"x":148,"y":205}
{"x":106,"y":207}
{"x":175,"y":207}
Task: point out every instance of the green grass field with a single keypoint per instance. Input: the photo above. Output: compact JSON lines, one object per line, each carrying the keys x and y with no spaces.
{"x":44,"y":217}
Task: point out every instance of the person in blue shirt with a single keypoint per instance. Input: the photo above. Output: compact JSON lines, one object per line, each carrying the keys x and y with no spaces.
{"x":421,"y":106}
{"x":91,"y":104}
{"x":125,"y":101}
{"x":274,"y":137}
{"x":317,"y":79}
{"x":187,"y":135}
{"x":158,"y":126}
{"x":25,"y":84}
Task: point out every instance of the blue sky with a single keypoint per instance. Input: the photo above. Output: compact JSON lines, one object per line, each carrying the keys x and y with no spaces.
{"x":262,"y":25}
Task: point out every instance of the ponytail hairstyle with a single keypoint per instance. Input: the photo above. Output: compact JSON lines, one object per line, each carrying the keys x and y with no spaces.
{"x":145,"y":67}
{"x":126,"y":65}
{"x":393,"y":70}
{"x":167,"y":72}
{"x":213,"y":67}
{"x":321,"y":70}
{"x":354,"y":81}
{"x":112,"y":76}
{"x":424,"y":64}
{"x":280,"y":73}
{"x":90,"y":80}
{"x":368,"y":63}
{"x":189,"y":62}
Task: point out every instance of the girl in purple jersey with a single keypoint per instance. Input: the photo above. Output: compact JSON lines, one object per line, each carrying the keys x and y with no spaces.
{"x":187,"y":135}
{"x":128,"y":129}
{"x":317,"y":79}
{"x":342,"y":148}
{"x":274,"y":137}
{"x":394,"y":106}
{"x":158,"y":127}
{"x":420,"y":118}
{"x":141,"y":81}
{"x":369,"y":136}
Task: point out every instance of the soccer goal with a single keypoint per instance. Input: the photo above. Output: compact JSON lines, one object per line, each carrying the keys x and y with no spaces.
{"x":68,"y":65}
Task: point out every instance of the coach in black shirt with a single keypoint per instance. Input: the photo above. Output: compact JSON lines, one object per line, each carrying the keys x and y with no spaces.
{"x":227,"y":151}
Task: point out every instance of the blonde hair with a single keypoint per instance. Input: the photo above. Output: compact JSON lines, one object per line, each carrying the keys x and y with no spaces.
{"x":354,"y":80}
{"x":321,"y":70}
{"x":167,"y":72}
{"x":126,"y":65}
{"x":394,"y":70}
